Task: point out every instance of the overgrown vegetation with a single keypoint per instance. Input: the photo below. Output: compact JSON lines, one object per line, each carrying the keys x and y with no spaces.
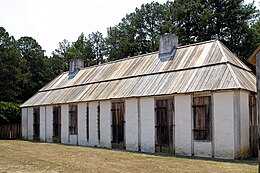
{"x":24,"y":68}
{"x":24,"y":156}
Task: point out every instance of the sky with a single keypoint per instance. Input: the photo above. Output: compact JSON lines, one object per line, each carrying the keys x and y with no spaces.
{"x":51,"y":21}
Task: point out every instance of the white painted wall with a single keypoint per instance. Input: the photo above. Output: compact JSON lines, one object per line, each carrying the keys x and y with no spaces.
{"x":105,"y":124}
{"x":131,"y":125}
{"x":82,"y":132}
{"x":223,"y":125}
{"x":202,"y":149}
{"x":183,"y":124}
{"x":42,"y":123}
{"x":24,"y":123}
{"x":147,"y":124}
{"x":244,"y":124}
{"x":49,"y":123}
{"x":93,"y":137}
{"x":30,"y":123}
{"x":65,"y":123}
{"x":73,"y":139}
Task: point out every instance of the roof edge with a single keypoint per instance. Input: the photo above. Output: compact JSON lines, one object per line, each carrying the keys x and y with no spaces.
{"x":173,"y":94}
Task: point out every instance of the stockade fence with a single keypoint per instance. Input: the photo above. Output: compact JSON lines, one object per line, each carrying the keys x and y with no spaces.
{"x":10,"y":131}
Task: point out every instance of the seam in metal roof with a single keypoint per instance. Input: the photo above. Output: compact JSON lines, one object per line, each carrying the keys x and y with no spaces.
{"x":205,"y":66}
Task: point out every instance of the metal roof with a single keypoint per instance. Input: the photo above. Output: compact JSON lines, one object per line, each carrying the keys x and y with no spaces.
{"x":204,"y":66}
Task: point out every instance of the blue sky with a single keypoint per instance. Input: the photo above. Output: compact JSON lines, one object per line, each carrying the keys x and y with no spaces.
{"x":51,"y":21}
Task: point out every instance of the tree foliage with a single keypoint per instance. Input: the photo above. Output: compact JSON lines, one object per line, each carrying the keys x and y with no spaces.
{"x":9,"y":112}
{"x":36,"y":66}
{"x":10,"y":71}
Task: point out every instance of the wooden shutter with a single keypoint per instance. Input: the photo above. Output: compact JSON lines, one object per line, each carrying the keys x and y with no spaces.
{"x":73,"y":112}
{"x":36,"y":123}
{"x":202,"y":118}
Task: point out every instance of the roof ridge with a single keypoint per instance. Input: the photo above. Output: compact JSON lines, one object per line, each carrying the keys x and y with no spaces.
{"x":228,"y":65}
{"x":118,"y":60}
{"x":222,"y":52}
{"x":146,"y":54}
{"x":242,"y":64}
{"x":195,"y":44}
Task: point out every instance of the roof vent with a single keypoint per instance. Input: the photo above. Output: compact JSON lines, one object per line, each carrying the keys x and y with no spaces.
{"x":75,"y":65}
{"x":168,"y":45}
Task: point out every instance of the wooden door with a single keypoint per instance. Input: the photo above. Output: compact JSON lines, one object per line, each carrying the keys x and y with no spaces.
{"x":164,"y":126}
{"x":118,"y":125}
{"x":253,"y":125}
{"x":57,"y":124}
{"x":36,"y":123}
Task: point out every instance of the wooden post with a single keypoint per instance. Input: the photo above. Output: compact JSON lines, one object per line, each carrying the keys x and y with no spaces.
{"x":258,"y":102}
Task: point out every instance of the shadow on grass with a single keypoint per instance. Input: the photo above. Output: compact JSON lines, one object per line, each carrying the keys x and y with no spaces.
{"x":249,"y":161}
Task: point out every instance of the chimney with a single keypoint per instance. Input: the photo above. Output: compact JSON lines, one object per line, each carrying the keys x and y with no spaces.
{"x":74,"y":67}
{"x":167,"y":47}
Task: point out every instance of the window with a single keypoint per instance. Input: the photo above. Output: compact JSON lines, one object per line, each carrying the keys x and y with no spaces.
{"x":202,"y":128}
{"x":73,"y":119}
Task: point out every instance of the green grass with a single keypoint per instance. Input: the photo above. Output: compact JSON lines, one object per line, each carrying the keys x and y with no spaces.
{"x":24,"y":156}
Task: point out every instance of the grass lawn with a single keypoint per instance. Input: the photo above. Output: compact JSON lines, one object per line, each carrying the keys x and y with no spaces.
{"x":23,"y":156}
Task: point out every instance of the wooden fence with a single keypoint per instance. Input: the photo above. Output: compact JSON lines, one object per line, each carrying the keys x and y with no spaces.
{"x":10,"y":131}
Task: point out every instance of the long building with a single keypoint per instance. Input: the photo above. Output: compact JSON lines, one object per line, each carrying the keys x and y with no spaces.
{"x":197,"y":99}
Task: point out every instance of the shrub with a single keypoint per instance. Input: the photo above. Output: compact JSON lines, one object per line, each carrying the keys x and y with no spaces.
{"x":9,"y":112}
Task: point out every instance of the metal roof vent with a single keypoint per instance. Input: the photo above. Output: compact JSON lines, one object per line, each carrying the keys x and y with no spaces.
{"x":167,"y":47}
{"x":75,"y":65}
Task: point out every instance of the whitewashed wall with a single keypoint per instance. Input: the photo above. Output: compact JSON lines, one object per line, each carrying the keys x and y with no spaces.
{"x":223,"y":125}
{"x":131,"y":125}
{"x":244,"y":124}
{"x":93,"y":138}
{"x":30,"y":123}
{"x":73,"y":139}
{"x":183,"y":123}
{"x":202,"y":149}
{"x":24,"y":123}
{"x":42,"y":123}
{"x":65,"y":123}
{"x":147,"y":125}
{"x":49,"y":123}
{"x":105,"y":124}
{"x":82,"y":131}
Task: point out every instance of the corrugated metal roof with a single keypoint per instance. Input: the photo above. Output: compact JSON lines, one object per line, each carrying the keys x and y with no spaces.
{"x":198,"y":67}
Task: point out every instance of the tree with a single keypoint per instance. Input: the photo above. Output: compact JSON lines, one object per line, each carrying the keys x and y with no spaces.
{"x":200,"y":20}
{"x":36,"y":66}
{"x":138,"y":32}
{"x":82,"y":49}
{"x":98,"y":46}
{"x":256,"y":32}
{"x":148,"y":22}
{"x":62,"y":53}
{"x":10,"y":71}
